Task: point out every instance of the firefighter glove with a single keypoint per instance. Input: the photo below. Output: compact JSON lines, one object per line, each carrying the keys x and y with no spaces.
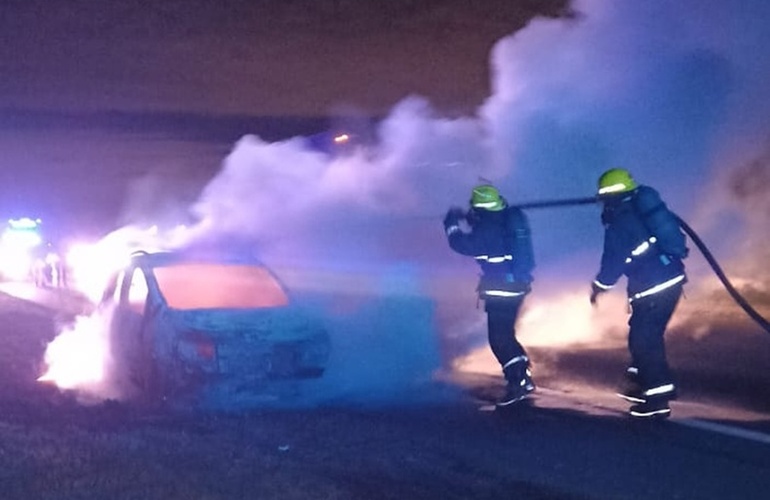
{"x":453,"y":217}
{"x":595,"y":291}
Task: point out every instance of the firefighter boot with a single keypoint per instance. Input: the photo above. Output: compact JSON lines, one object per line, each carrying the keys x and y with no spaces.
{"x":632,"y":386}
{"x":634,"y":391}
{"x":519,"y":378}
{"x":654,"y":407}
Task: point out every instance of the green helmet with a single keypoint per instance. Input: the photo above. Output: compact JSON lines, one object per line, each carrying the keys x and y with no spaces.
{"x":487,"y":197}
{"x":615,"y":181}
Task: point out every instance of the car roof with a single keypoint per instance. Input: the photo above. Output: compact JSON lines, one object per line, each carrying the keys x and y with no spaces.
{"x":165,"y":258}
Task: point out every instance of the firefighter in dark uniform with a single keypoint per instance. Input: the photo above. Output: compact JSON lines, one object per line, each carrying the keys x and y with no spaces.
{"x":498,"y":237}
{"x":642,"y":240}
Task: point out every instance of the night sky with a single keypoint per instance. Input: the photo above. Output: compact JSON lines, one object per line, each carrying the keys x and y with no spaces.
{"x":104,"y":94}
{"x":254,"y":57}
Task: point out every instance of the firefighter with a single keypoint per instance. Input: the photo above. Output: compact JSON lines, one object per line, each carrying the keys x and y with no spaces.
{"x":498,"y":237}
{"x":643,"y":241}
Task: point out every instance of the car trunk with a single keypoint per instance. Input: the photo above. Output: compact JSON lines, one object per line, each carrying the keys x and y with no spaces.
{"x":249,"y":345}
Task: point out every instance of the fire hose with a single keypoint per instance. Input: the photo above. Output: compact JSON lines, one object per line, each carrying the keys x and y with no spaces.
{"x":736,"y":296}
{"x":558,"y":203}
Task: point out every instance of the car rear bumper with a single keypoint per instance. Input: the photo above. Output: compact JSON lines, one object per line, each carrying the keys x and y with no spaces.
{"x":238,"y":377}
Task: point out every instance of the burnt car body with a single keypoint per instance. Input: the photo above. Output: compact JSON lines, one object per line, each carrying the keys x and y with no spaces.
{"x":206,"y":330}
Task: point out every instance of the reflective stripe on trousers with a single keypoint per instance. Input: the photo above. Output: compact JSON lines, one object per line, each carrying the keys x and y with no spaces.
{"x":657,"y":288}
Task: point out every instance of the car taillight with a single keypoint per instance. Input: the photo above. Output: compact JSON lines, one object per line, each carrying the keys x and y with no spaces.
{"x":206,"y":350}
{"x":200,"y":344}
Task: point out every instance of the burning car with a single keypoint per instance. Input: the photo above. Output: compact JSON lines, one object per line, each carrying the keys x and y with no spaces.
{"x":206,"y":330}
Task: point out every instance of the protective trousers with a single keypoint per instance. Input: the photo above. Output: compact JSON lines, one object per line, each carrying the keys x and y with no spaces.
{"x":649,"y":318}
{"x":501,"y":327}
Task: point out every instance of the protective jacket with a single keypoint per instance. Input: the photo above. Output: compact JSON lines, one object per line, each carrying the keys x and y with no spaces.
{"x":501,"y":243}
{"x":631,"y":248}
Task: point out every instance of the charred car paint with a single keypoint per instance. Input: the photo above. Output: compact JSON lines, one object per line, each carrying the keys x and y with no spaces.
{"x":208,"y":330}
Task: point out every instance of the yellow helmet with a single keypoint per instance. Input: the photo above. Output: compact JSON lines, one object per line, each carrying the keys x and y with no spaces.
{"x":487,"y":197}
{"x":615,"y":181}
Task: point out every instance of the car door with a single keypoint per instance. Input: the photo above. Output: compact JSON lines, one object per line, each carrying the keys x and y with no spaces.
{"x":130,"y":323}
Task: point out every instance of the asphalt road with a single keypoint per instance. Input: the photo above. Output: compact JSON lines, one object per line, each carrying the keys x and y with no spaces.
{"x":571,"y":441}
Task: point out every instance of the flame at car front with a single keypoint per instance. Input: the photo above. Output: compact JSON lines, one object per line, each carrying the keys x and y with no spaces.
{"x":79,"y":357}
